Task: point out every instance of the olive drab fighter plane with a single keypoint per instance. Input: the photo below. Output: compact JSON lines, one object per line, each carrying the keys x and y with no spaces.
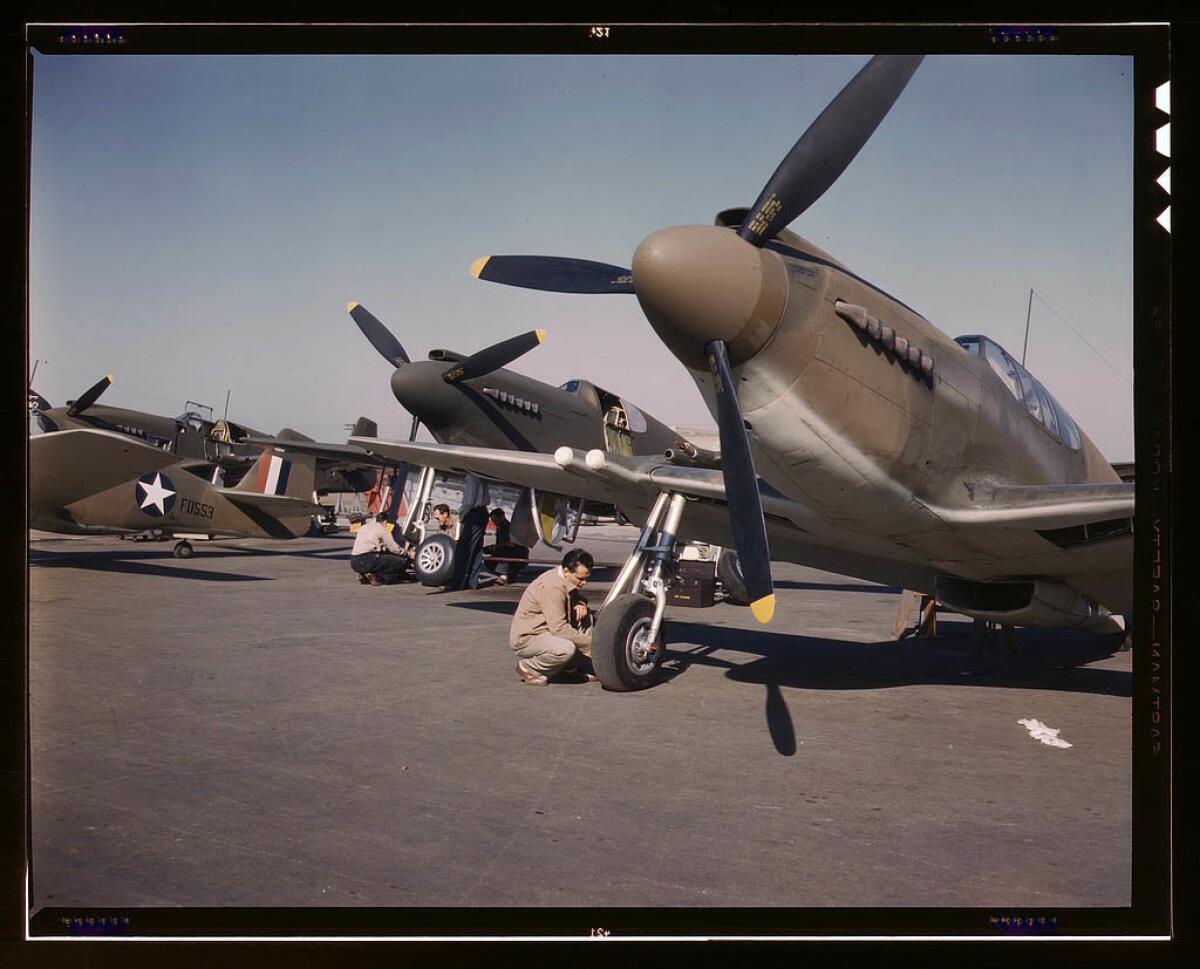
{"x":473,"y":400}
{"x":886,"y":449}
{"x":88,"y":481}
{"x":222,"y":444}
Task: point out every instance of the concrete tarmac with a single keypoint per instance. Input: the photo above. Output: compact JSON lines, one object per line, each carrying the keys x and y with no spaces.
{"x":252,"y":727}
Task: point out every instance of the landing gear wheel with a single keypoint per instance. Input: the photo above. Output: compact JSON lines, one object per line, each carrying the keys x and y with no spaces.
{"x":433,"y":562}
{"x":729,"y":572}
{"x":183,"y":550}
{"x":622,"y":657}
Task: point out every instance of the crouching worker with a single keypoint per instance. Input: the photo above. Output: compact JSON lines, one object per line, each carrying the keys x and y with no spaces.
{"x":551,"y":631}
{"x":376,"y":557}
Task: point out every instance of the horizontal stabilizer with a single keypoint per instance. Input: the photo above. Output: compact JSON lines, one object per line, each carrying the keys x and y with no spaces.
{"x":278,"y":506}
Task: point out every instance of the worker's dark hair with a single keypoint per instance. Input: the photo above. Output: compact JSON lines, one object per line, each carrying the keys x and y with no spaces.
{"x":381,"y":516}
{"x":496,"y":513}
{"x":578,"y":556}
{"x":442,"y":507}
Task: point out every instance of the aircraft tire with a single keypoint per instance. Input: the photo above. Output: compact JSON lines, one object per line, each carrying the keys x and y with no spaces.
{"x":183,"y":550}
{"x":433,"y":561}
{"x":729,"y":572}
{"x":619,"y":653}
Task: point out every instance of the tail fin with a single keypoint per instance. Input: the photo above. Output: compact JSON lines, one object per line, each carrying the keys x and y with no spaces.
{"x":365,"y":427}
{"x":289,"y":474}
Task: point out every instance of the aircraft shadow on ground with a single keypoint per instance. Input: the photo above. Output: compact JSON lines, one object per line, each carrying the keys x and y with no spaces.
{"x":121,"y":561}
{"x":1048,"y":660}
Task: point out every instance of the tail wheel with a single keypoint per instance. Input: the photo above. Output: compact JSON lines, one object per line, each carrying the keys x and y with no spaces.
{"x":433,"y":561}
{"x":622,"y":655}
{"x":183,"y":550}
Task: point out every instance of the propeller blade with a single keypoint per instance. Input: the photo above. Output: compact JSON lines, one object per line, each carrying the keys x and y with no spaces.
{"x":741,"y":488}
{"x":379,"y":335}
{"x":554,"y":274}
{"x":416,"y":423}
{"x":494,"y":357}
{"x":829,"y":145}
{"x":89,"y":396}
{"x":37,"y":402}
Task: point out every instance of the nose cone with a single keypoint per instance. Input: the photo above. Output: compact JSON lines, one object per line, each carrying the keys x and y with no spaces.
{"x":699,"y":283}
{"x":421,"y":391}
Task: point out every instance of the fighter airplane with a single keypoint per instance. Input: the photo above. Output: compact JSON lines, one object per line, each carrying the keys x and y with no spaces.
{"x":88,"y":481}
{"x":473,"y":400}
{"x":887,"y":450}
{"x":222,"y":444}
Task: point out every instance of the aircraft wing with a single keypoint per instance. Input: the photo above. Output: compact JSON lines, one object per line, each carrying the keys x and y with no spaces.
{"x":566,"y":472}
{"x":105,"y":457}
{"x":1043,"y":507}
{"x":602,"y":477}
{"x":341,"y":454}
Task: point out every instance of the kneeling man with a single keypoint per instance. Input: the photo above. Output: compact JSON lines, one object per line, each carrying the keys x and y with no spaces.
{"x":376,"y":557}
{"x":551,"y":630}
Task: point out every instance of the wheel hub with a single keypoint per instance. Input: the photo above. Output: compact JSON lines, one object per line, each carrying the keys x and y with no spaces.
{"x":431,"y":558}
{"x":640,"y":652}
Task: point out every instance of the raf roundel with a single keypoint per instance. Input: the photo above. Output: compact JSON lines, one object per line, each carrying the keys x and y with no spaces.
{"x":155,"y":494}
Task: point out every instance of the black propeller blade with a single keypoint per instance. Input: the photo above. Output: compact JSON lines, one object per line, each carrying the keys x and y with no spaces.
{"x":89,"y":397}
{"x":494,"y":357}
{"x":37,"y":402}
{"x":829,"y":145}
{"x":554,"y":274}
{"x":741,"y":488}
{"x":416,"y":423}
{"x":379,"y":335}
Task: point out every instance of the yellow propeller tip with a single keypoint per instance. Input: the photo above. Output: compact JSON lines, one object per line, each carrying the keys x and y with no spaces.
{"x":764,"y":608}
{"x":478,"y":264}
{"x":350,"y":306}
{"x":541,"y":335}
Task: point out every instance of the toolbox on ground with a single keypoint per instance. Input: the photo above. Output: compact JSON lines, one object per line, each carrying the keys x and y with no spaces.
{"x":696,"y":586}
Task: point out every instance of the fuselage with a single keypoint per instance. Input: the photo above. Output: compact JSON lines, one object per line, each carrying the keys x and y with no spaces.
{"x":505,"y":409}
{"x":853,"y":427}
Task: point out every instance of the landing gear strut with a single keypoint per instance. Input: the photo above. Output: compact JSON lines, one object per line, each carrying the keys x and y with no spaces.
{"x":630,"y":640}
{"x":183,"y":549}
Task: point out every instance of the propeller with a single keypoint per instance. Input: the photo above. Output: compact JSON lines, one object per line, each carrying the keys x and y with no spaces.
{"x":379,"y":336}
{"x":828,"y":146}
{"x":741,"y":487}
{"x":88,"y":397}
{"x":554,"y":274}
{"x":494,"y":357}
{"x":37,"y":402}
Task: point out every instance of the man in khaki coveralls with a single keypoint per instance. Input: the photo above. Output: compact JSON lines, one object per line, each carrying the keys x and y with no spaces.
{"x":543,"y":635}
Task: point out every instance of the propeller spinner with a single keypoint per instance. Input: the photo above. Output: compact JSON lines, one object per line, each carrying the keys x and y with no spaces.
{"x":712,"y":299}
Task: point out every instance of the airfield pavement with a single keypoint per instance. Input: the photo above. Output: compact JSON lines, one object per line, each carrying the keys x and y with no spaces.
{"x":252,"y":727}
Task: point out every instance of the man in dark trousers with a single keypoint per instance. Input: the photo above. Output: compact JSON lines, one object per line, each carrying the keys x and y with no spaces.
{"x":472,"y":522}
{"x":376,"y":557}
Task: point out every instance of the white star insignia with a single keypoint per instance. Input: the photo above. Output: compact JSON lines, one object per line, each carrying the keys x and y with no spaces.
{"x":156,"y":494}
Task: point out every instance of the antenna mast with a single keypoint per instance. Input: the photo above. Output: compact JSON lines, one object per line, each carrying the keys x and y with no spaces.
{"x":1028,"y":310}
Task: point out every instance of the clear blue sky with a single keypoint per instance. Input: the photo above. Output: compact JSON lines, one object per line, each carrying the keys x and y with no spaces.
{"x":198,"y":223}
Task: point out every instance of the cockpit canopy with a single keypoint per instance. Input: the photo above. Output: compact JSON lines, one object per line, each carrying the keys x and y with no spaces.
{"x":618,"y":411}
{"x":1041,"y":406}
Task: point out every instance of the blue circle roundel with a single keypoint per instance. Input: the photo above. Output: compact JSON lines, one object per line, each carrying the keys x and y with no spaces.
{"x":155,"y":494}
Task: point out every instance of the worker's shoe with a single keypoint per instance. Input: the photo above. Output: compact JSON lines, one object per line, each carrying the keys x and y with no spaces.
{"x":578,"y":673}
{"x":529,"y":677}
{"x":363,"y":579}
{"x":375,"y":579}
